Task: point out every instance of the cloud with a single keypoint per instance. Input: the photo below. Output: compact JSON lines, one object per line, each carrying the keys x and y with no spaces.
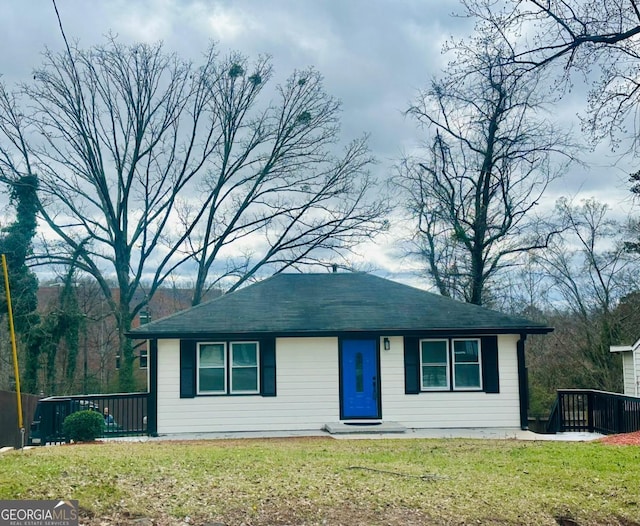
{"x":374,"y":56}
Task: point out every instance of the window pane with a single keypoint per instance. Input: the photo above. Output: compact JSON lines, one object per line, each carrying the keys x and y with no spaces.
{"x":144,"y":362}
{"x":211,"y":380}
{"x":434,"y":352}
{"x":466,"y":351}
{"x":434,"y":376}
{"x":244,"y":353}
{"x":244,"y":379}
{"x":212,"y":355}
{"x":467,"y":375}
{"x":359,"y":373}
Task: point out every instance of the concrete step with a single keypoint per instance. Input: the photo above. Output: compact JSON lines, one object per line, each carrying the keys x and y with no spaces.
{"x":363,"y":427}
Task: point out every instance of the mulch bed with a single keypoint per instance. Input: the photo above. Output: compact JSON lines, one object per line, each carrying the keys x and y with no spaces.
{"x":624,"y":439}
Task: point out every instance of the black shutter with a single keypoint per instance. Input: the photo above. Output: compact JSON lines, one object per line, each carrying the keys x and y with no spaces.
{"x":411,"y":365}
{"x":268,"y":367}
{"x":187,"y":369}
{"x":490,"y":377}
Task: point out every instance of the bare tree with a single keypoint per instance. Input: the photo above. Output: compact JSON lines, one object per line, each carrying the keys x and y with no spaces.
{"x":575,"y":35}
{"x":589,"y":271}
{"x":486,"y":163}
{"x":584,"y":284}
{"x":147,"y":162}
{"x":274,"y":180}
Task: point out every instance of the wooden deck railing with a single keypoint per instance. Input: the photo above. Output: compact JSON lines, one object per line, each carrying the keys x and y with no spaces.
{"x":594,"y":412}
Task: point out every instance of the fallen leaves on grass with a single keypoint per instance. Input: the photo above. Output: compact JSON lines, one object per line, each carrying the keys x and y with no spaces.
{"x":314,"y":483}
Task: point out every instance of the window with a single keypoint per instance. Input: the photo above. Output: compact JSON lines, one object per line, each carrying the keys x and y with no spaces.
{"x":228,"y":369}
{"x":244,"y":367}
{"x":359,"y":373}
{"x":144,"y":361}
{"x":446,"y":363}
{"x":212,"y":366}
{"x":434,"y":359}
{"x":466,"y":364}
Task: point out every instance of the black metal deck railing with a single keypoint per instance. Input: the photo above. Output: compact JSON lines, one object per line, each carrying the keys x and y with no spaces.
{"x":128,"y":410}
{"x":594,"y":412}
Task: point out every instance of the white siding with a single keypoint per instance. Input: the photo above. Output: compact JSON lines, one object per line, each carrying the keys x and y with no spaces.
{"x":451,"y":409}
{"x":308,"y":394}
{"x":636,"y":376}
{"x":629,"y":372}
{"x":307,"y":388}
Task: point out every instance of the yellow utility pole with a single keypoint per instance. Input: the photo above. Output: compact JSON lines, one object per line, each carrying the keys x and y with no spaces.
{"x":16,"y":371}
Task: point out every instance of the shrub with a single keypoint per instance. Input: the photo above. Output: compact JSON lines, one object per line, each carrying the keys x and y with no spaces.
{"x":83,"y":426}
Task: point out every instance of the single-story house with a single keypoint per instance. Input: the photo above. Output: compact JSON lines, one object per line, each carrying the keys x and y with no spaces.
{"x":630,"y":367}
{"x":300,"y":351}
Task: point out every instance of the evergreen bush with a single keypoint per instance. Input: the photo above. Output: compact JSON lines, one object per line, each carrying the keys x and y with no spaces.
{"x":83,"y":426}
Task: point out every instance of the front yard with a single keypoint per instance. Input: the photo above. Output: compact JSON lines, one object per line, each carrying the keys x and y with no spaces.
{"x":318,"y":481}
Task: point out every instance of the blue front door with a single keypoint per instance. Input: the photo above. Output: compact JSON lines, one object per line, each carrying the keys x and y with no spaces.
{"x":359,"y":383}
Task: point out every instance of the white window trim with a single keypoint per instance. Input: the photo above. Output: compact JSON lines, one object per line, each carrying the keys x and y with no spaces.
{"x":479,"y":362}
{"x":231,"y":367}
{"x":225,"y":367}
{"x":423,"y":364}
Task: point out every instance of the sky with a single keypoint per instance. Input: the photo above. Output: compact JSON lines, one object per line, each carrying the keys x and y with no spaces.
{"x":374,"y":55}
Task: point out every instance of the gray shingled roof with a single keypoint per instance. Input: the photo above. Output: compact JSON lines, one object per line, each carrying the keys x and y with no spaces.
{"x":299,"y":304}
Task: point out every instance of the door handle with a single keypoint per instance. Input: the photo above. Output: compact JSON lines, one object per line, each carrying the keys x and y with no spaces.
{"x":375,"y":388}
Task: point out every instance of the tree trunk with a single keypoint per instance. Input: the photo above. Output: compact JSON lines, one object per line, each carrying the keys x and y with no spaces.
{"x":126,"y":381}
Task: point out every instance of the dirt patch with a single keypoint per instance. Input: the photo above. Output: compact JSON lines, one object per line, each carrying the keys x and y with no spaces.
{"x":623,"y":439}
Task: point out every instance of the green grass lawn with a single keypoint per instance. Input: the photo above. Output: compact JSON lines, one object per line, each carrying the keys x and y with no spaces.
{"x":326,"y":481}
